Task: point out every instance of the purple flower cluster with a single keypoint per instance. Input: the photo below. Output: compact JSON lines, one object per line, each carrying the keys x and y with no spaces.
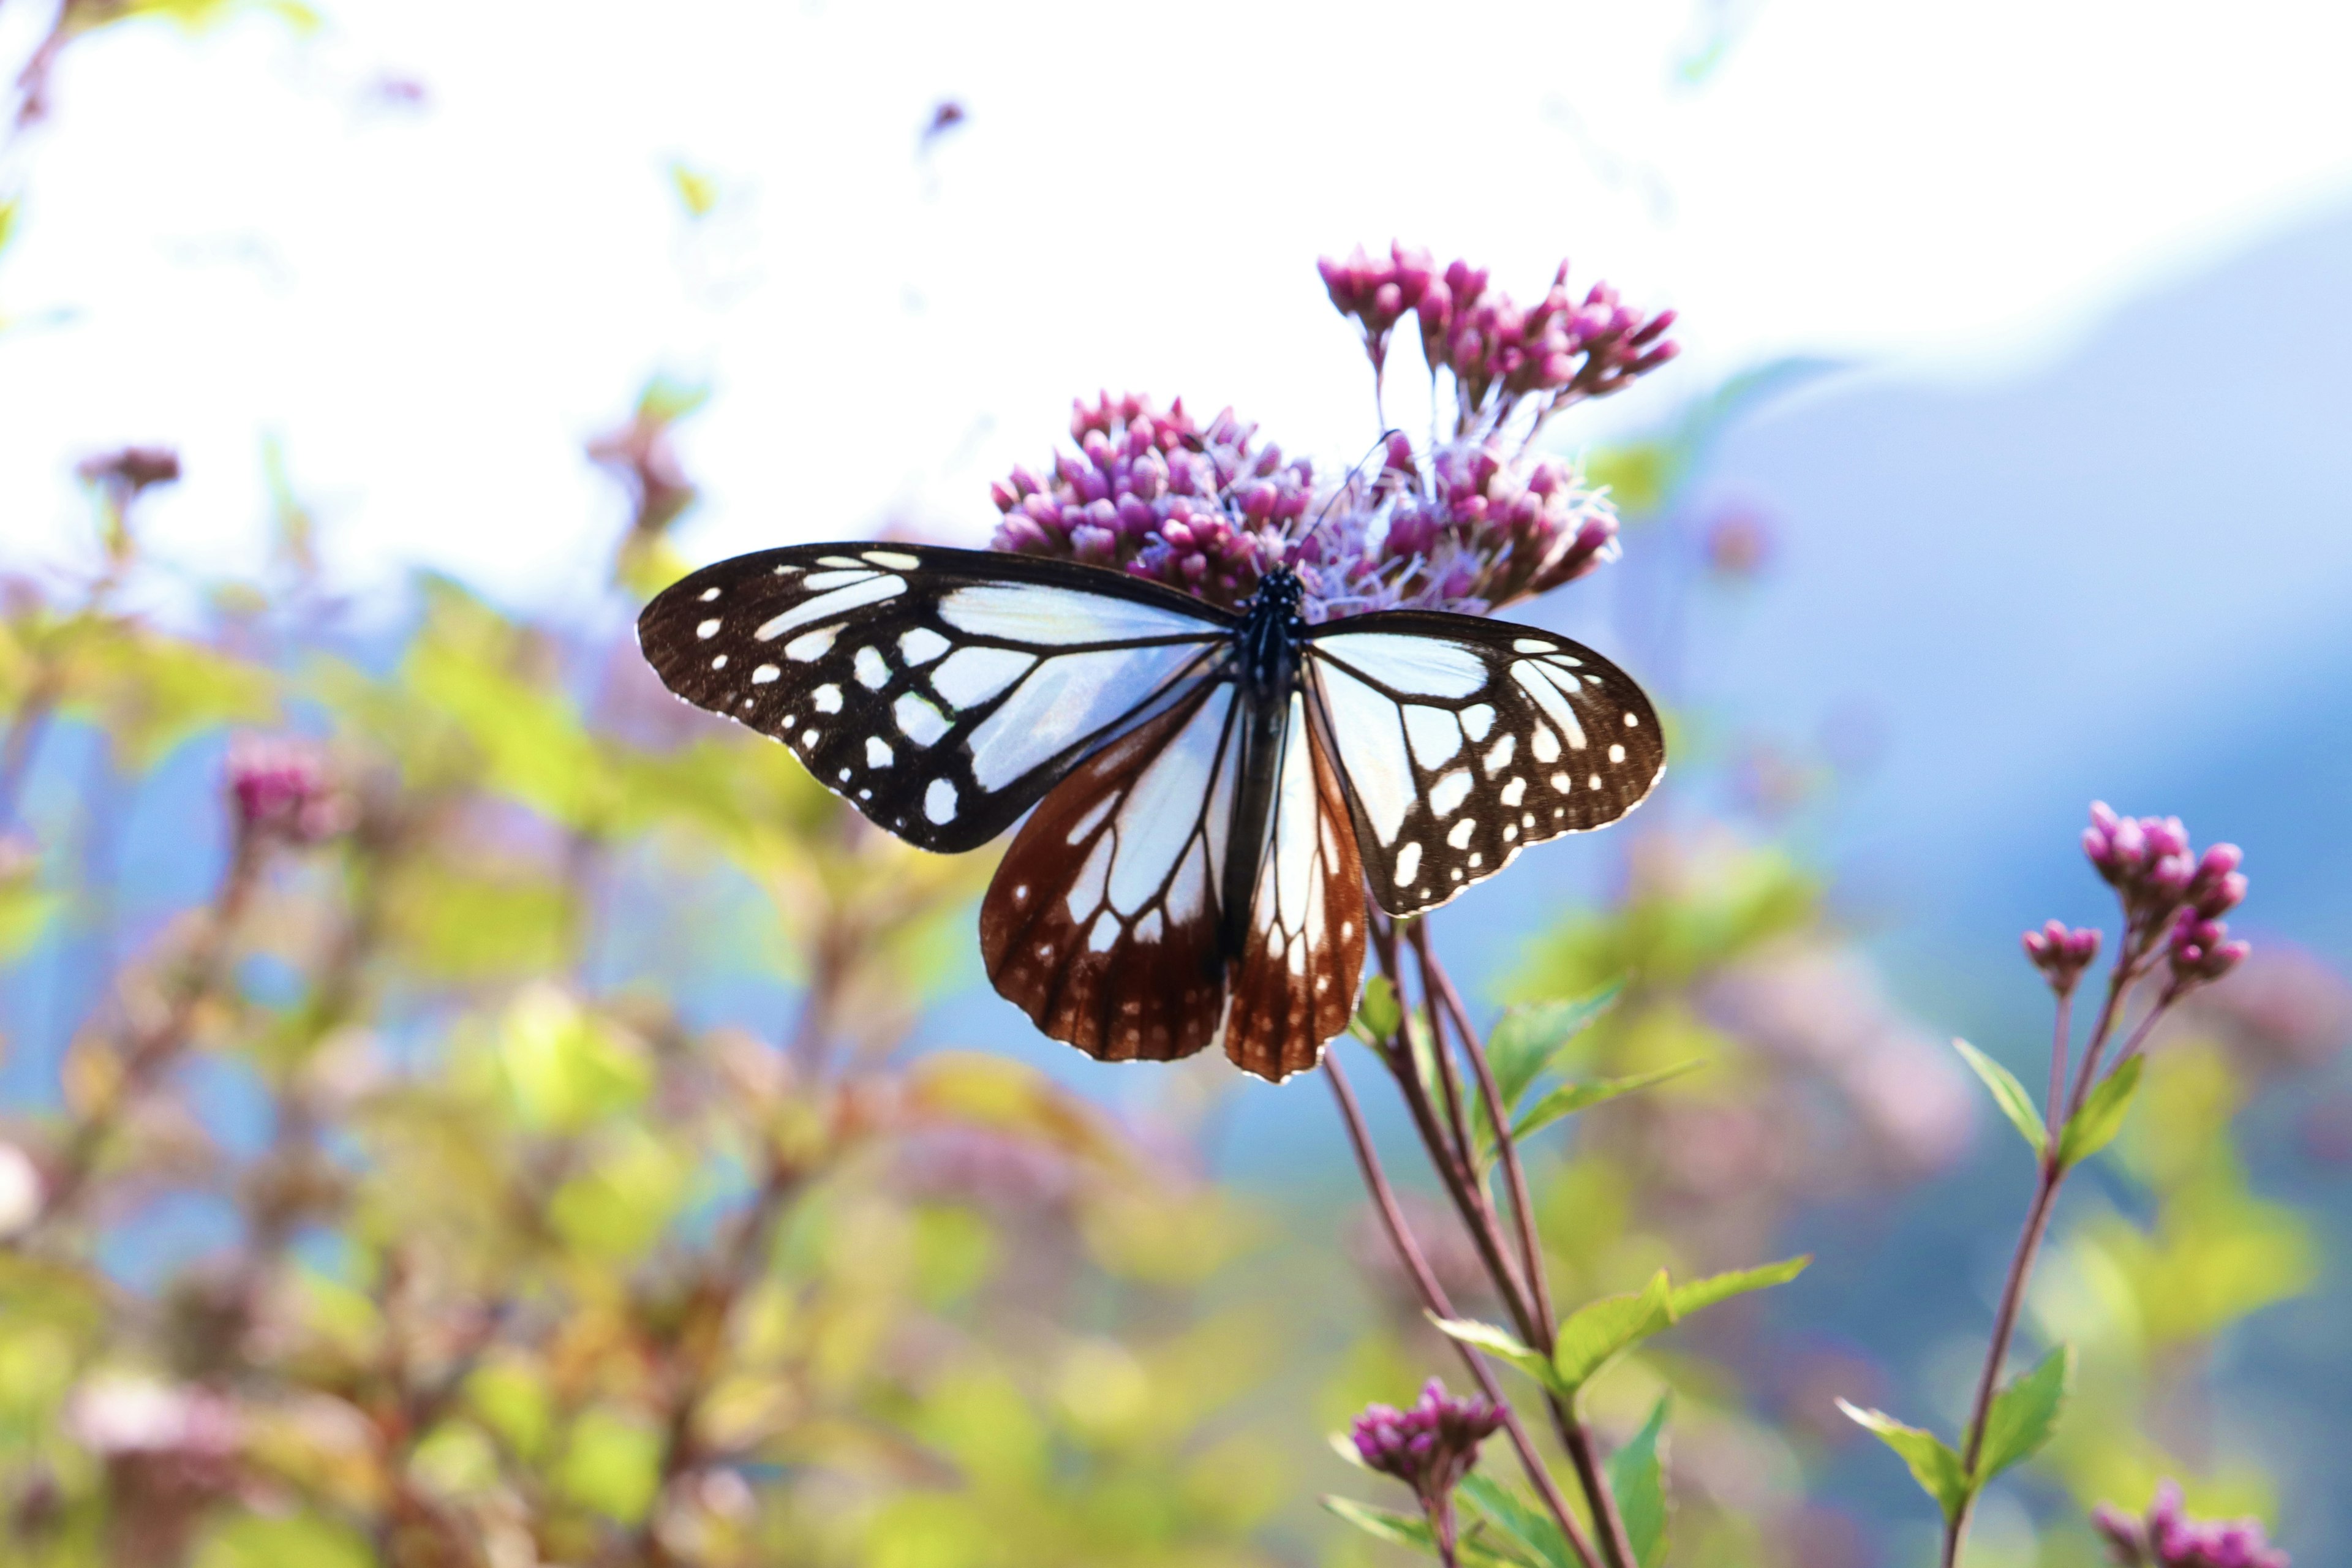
{"x":1558,"y":351}
{"x":1150,"y":491}
{"x":2168,"y":893}
{"x":1431,"y":1444}
{"x":2061,"y":954}
{"x":2169,"y":1538}
{"x":1472,"y":523}
{"x":280,"y":787}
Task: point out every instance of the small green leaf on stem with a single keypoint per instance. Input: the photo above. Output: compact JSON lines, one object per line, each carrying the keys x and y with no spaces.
{"x":1378,"y":1015}
{"x":2095,"y":1126}
{"x":2025,"y":1414}
{"x":2007,"y":1093}
{"x":1571,"y":1097}
{"x":1637,"y":1478}
{"x":1521,"y":1524}
{"x":1599,"y":1332}
{"x":1934,"y":1465}
{"x":1502,"y":1345}
{"x":1526,"y":1040}
{"x":1404,"y":1529}
{"x":1700,"y":1293}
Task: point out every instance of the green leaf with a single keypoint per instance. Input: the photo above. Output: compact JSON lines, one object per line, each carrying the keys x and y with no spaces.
{"x":2008,"y":1094}
{"x":1512,"y":1515}
{"x":2095,"y":1126}
{"x":1699,"y":1293}
{"x":1405,"y":1529}
{"x":1935,"y":1467}
{"x":1378,"y":1015}
{"x":296,"y":1541}
{"x":1528,"y":1039}
{"x":1571,"y":1098}
{"x":612,"y":1464}
{"x":2025,"y":1414}
{"x":1599,"y":1332}
{"x":1637,"y":1478}
{"x":1503,"y":1345}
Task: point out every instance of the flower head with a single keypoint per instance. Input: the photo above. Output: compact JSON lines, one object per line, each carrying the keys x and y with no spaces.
{"x":2172,"y":899}
{"x":2061,"y":954}
{"x":2169,"y":1538}
{"x":1431,"y":1444}
{"x":278,"y":787}
{"x":1469,"y":523}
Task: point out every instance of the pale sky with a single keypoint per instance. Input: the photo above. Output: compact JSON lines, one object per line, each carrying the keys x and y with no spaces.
{"x":432,"y":307}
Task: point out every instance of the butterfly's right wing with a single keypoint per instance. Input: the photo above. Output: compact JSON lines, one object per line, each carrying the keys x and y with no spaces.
{"x":941,"y":691}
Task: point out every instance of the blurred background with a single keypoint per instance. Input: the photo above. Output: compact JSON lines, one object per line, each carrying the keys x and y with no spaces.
{"x":508,"y":1119}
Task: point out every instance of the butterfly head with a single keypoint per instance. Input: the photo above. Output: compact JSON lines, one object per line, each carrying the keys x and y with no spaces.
{"x":1279,"y":591}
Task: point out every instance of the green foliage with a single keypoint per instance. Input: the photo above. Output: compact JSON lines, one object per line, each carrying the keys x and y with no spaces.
{"x":1933,"y":1464}
{"x":1637,"y":1477}
{"x":2095,"y":1126}
{"x":1514,"y":1523}
{"x":2015,"y":1104}
{"x":2025,"y":1414}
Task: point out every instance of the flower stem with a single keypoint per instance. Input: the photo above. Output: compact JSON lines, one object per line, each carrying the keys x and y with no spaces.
{"x":1432,"y":1296}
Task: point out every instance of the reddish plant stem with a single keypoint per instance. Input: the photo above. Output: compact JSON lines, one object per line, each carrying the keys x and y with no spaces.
{"x":1478,"y":1217}
{"x":2131,"y":963}
{"x":2060,"y":1036}
{"x":1434,"y":1298}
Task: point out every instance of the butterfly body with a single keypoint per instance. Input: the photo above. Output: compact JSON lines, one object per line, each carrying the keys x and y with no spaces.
{"x":1209,"y":794}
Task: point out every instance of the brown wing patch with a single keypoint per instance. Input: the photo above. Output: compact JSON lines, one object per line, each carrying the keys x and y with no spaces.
{"x":1101,"y":923}
{"x":1295,"y":988}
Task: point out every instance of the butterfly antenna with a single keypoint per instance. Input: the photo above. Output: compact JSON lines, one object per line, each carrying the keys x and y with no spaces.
{"x":1353,"y":474}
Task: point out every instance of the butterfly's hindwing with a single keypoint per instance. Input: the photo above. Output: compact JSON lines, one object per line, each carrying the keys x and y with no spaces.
{"x":1295,"y":988}
{"x":1463,"y":741}
{"x":939,"y":691}
{"x":1102,"y":923}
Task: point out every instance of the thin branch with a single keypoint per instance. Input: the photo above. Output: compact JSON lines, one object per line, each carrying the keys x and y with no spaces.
{"x":1433,"y":1297}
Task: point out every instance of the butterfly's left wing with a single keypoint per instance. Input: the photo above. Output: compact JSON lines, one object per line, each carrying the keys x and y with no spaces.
{"x":939,"y":691}
{"x":1463,"y":739}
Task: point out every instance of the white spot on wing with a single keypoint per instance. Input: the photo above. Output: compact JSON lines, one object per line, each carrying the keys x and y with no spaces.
{"x":1477,"y":720}
{"x":1632,"y":720}
{"x":972,"y":674}
{"x":1529,"y":645}
{"x":878,"y":753}
{"x":826,"y":698}
{"x":719,"y":663}
{"x":707,"y":594}
{"x":1085,"y":893}
{"x":1092,"y":819}
{"x":1408,"y":865}
{"x":1543,"y":684}
{"x":918,"y":720}
{"x":1544,"y":742}
{"x":1434,"y":733}
{"x":940,"y":801}
{"x":1460,"y":835}
{"x":873,"y":670}
{"x":707,"y":629}
{"x":1409,"y":665}
{"x":1450,"y":791}
{"x":922,"y":645}
{"x":1616,"y":753}
{"x":1372,"y":749}
{"x":1147,"y":929}
{"x":1513,"y":792}
{"x":895,"y":560}
{"x":1061,"y":617}
{"x":867,"y":590}
{"x":1498,"y":756}
{"x":764,"y":674}
{"x":811,"y":646}
{"x":1105,"y":933}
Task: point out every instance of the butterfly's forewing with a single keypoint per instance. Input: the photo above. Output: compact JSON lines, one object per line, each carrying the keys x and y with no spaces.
{"x":1463,"y":739}
{"x":1295,"y":988}
{"x":1102,"y":920}
{"x":941,"y":691}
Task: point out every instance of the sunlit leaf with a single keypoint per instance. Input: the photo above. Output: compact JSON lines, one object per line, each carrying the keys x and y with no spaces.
{"x":1637,"y":1478}
{"x":2008,"y":1094}
{"x":612,"y":1463}
{"x":255,"y":1539}
{"x":2095,"y":1126}
{"x":2025,"y":1414}
{"x":1505,"y":1346}
{"x":1570,"y":1098}
{"x":1378,"y":1015}
{"x":1933,"y":1465}
{"x":1517,"y":1521}
{"x":564,"y":1067}
{"x":1599,"y":1332}
{"x":1702,"y":1293}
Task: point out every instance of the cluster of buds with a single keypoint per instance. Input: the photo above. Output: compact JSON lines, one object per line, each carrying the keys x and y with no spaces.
{"x":1150,"y":491}
{"x":2169,"y":1538}
{"x":279,"y":788}
{"x":1431,"y":1444}
{"x":2061,"y":954}
{"x":1558,"y":351}
{"x":1470,"y":524}
{"x":2168,"y":893}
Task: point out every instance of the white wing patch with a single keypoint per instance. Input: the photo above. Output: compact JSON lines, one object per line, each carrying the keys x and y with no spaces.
{"x":1067,"y":697}
{"x":1379,"y":768}
{"x":1408,"y":666}
{"x":1057,"y":617}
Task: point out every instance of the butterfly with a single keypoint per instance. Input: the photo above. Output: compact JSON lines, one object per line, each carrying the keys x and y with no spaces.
{"x":1213,"y":791}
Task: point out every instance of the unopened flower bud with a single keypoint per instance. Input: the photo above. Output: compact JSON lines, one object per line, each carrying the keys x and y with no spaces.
{"x":2061,"y":954}
{"x":1429,"y":1445}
